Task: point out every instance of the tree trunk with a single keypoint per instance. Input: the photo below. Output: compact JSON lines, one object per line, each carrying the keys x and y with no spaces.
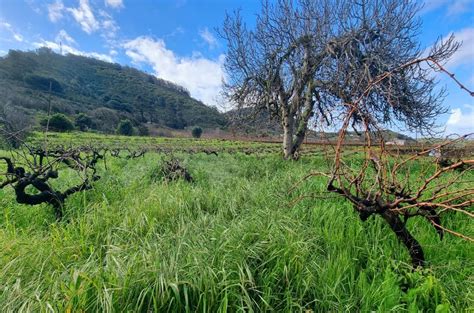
{"x":300,"y":122}
{"x":299,"y":138}
{"x":414,"y":248}
{"x":302,"y":127}
{"x":288,"y":129}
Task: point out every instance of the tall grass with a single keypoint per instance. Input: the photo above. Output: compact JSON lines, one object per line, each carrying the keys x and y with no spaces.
{"x":227,"y":242}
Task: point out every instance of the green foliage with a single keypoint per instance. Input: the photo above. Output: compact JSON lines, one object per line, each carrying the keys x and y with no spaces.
{"x":125,"y":127}
{"x":43,"y":83}
{"x":424,"y":293}
{"x":58,"y":122}
{"x":87,"y":85}
{"x":228,"y":242}
{"x":83,"y":122}
{"x":143,"y":130}
{"x":197,"y":132}
{"x":116,"y":105}
{"x":105,"y":119}
{"x":16,"y":64}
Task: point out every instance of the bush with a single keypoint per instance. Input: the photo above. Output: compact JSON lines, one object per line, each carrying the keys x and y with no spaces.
{"x":83,"y":122}
{"x":43,"y":83}
{"x":125,"y":128}
{"x":119,"y":106}
{"x":143,"y":130}
{"x":105,"y":119}
{"x":58,"y":122}
{"x":197,"y":132}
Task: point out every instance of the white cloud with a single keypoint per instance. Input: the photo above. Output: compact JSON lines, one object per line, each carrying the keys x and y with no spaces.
{"x":208,"y":37}
{"x":18,"y":37}
{"x":465,"y":55}
{"x":104,"y":23}
{"x":459,"y":6}
{"x":9,"y":28}
{"x":201,"y":76}
{"x":431,"y":5}
{"x":108,"y":25}
{"x":36,"y":7}
{"x":116,"y":4}
{"x":451,"y":7}
{"x":68,"y":49}
{"x":461,"y":120}
{"x":63,"y":36}
{"x":85,"y":17}
{"x":55,"y":11}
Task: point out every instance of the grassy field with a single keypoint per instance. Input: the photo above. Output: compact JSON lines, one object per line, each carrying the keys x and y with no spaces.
{"x":137,"y":142}
{"x":230,"y":241}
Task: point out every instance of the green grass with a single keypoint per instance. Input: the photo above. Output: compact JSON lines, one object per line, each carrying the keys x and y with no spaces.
{"x":136,"y":142}
{"x":227,"y":242}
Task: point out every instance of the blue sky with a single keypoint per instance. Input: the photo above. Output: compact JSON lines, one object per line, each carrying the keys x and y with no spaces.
{"x":176,"y":39}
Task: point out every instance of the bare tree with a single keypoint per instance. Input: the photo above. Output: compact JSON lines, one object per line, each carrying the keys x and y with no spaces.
{"x":273,"y":66}
{"x":428,"y":183}
{"x":304,"y":60}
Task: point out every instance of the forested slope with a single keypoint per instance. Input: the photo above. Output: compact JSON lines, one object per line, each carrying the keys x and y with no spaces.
{"x":104,"y":91}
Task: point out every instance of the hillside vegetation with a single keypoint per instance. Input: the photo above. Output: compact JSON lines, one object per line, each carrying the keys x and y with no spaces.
{"x":105,"y":92}
{"x":98,"y":95}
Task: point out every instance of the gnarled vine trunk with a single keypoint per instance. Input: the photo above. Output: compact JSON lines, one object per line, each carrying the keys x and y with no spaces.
{"x":414,"y":248}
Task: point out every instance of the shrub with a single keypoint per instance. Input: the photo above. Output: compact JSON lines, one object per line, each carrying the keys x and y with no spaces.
{"x":105,"y":119}
{"x":125,"y":128}
{"x":120,"y":106}
{"x":83,"y":122}
{"x":143,"y":130}
{"x":43,"y":83}
{"x":58,"y":122}
{"x":197,"y":132}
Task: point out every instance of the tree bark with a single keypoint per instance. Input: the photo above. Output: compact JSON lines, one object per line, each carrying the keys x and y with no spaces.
{"x":303,"y":122}
{"x":288,"y":129}
{"x":414,"y":248}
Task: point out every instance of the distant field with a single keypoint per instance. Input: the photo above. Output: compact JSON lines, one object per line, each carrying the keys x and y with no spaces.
{"x":135,"y":142}
{"x":233,"y":240}
{"x":191,"y":145}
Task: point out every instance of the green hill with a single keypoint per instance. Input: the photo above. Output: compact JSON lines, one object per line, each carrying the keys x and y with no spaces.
{"x":105,"y":92}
